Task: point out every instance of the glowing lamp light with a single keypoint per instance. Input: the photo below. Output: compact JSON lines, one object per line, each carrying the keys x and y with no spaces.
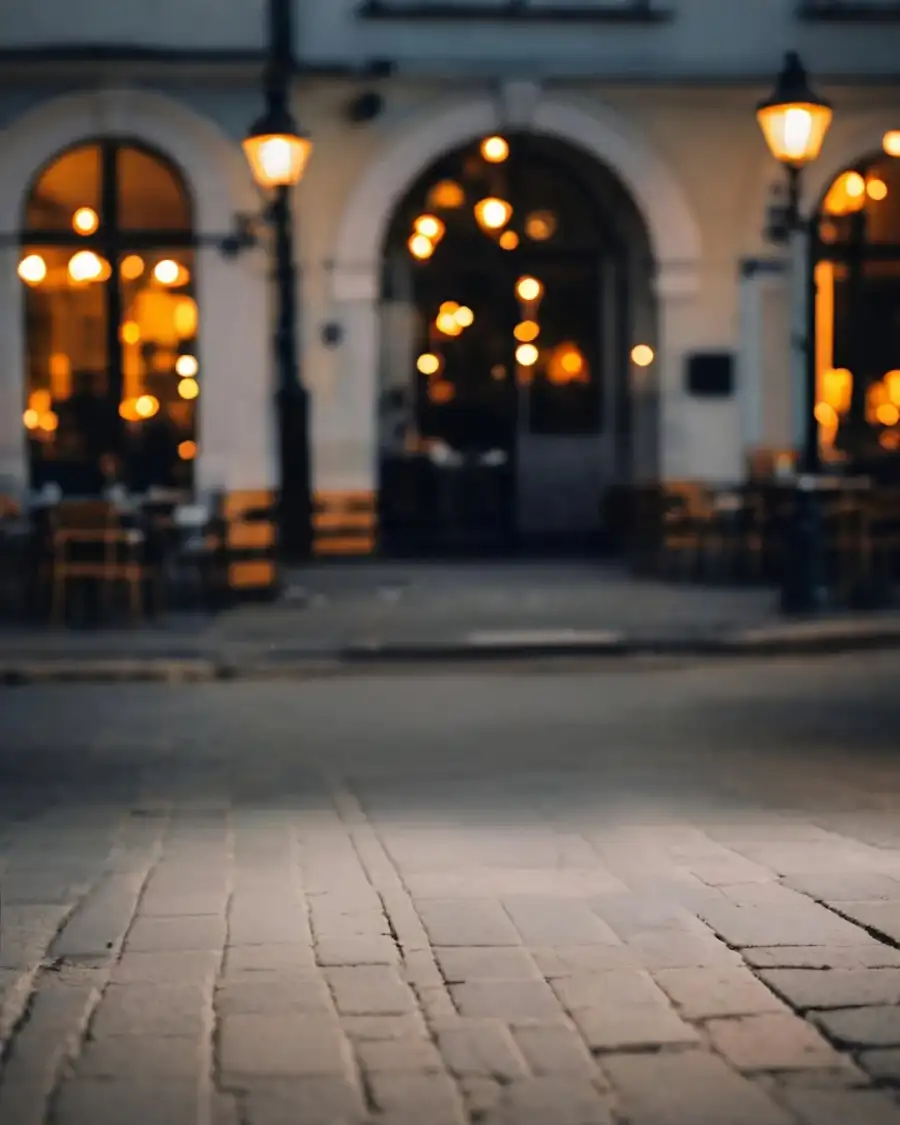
{"x":168,"y":272}
{"x":877,"y":189}
{"x":540,"y":226}
{"x":85,"y":266}
{"x":529,"y":289}
{"x":41,"y":401}
{"x":31,"y":419}
{"x":887,"y":414}
{"x":826,"y":415}
{"x":891,"y":142}
{"x":186,"y":366}
{"x":187,"y":450}
{"x":526,"y":355}
{"x":276,"y":151}
{"x":428,"y":364}
{"x":32,"y":269}
{"x":447,"y":195}
{"x":132,"y":267}
{"x":449,"y":308}
{"x":794,"y":120}
{"x":430,"y":226}
{"x":131,"y":332}
{"x":186,"y":318}
{"x":464,"y":317}
{"x":642,"y":355}
{"x":846,"y":195}
{"x":495,"y":150}
{"x":492,"y":213}
{"x":527,"y":331}
{"x":85,"y":220}
{"x":189,"y":389}
{"x":421,"y":247}
{"x":447,"y":325}
{"x":146,"y":406}
{"x":892,"y":382}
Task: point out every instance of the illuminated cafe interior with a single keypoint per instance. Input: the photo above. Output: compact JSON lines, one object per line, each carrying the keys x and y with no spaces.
{"x":113,"y":375}
{"x":856,"y":263}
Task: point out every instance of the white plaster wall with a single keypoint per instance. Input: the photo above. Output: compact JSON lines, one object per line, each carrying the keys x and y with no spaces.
{"x":235,"y":414}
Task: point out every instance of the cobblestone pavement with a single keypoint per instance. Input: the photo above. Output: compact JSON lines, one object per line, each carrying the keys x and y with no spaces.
{"x":664,"y":897}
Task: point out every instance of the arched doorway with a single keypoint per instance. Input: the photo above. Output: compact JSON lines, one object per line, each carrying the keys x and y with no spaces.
{"x":856,"y":267}
{"x":512,"y":270}
{"x":112,"y":370}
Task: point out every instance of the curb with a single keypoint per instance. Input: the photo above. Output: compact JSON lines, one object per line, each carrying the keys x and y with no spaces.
{"x":274,"y":664}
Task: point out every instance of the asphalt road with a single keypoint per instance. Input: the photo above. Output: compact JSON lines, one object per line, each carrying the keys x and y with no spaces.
{"x":653,"y":896}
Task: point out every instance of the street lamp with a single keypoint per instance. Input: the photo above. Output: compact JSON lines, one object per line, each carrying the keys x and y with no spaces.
{"x":278,"y":154}
{"x":794,"y":122}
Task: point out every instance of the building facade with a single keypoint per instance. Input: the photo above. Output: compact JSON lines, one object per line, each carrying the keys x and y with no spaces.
{"x":657,"y":345}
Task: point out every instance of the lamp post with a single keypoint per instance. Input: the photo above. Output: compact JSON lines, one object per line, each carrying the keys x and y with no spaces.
{"x":794,"y":122}
{"x":278,"y":154}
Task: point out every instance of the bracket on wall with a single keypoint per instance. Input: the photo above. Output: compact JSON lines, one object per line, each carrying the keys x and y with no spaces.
{"x":245,"y":235}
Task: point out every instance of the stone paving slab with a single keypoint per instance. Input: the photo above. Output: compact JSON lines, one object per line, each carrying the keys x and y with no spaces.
{"x":277,"y":959}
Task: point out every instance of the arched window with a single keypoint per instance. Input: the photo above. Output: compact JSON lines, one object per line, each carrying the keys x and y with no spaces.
{"x":512,"y":270}
{"x":857,"y":282}
{"x":112,"y":370}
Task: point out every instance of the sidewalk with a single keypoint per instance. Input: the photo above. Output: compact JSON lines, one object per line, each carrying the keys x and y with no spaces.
{"x":415,"y":612}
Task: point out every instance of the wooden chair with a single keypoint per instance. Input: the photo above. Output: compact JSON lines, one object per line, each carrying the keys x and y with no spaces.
{"x":90,"y":542}
{"x":686,"y":521}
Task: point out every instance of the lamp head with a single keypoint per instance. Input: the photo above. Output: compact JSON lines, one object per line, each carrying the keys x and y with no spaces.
{"x":276,"y":150}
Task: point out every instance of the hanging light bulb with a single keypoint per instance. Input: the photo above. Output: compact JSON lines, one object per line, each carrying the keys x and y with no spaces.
{"x":32,"y":269}
{"x":493,"y":213}
{"x":529,"y":289}
{"x":430,"y":227}
{"x":495,"y":149}
{"x":85,"y":220}
{"x":85,"y":266}
{"x":420,"y":247}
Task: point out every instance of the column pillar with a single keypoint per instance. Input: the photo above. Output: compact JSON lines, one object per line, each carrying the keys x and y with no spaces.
{"x":236,"y":421}
{"x":677,"y":287}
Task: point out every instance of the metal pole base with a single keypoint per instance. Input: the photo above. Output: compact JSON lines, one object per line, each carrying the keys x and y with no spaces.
{"x":804,"y":590}
{"x":295,"y":507}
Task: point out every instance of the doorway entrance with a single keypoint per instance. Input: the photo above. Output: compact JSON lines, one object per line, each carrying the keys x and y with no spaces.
{"x":505,"y":335}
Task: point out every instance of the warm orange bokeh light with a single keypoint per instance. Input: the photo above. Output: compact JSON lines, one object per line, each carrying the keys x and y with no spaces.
{"x":495,"y":150}
{"x":446,"y":196}
{"x":187,"y":450}
{"x":132,"y":267}
{"x":420,"y":247}
{"x":430,"y":227}
{"x":493,"y":213}
{"x":85,"y":220}
{"x":529,"y":289}
{"x":642,"y":355}
{"x":428,"y":364}
{"x":189,"y":389}
{"x":527,"y":331}
{"x":509,"y":240}
{"x":527,"y":355}
{"x":441,"y":392}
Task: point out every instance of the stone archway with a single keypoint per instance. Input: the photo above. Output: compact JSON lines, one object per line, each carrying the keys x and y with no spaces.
{"x":345,"y":441}
{"x":230,"y":456}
